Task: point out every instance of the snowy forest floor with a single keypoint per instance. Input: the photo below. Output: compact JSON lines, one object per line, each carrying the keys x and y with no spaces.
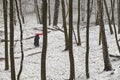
{"x":58,"y":59}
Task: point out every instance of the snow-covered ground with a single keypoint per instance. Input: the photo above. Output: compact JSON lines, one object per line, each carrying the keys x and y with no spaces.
{"x":58,"y":59}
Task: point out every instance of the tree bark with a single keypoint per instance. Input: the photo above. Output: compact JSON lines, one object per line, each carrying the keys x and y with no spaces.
{"x":97,"y":21}
{"x":87,"y":40}
{"x":49,"y":12}
{"x":112,"y":6}
{"x":83,"y":6}
{"x":37,"y":11}
{"x":21,"y":12}
{"x":78,"y":24}
{"x":71,"y":57}
{"x":6,"y":34}
{"x":56,"y":12}
{"x":118,"y":1}
{"x":116,"y":38}
{"x":110,"y":27}
{"x":107,"y":64}
{"x":12,"y":62}
{"x":64,"y":25}
{"x":100,"y":36}
{"x":21,"y":42}
{"x":44,"y":48}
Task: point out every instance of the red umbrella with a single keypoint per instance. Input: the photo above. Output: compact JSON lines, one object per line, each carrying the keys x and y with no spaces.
{"x":38,"y":34}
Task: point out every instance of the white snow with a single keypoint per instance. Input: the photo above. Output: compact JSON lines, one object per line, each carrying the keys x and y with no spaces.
{"x":57,"y":59}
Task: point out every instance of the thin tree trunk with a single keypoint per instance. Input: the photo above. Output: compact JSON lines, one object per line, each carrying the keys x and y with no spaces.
{"x":75,"y":36}
{"x":37,"y":11}
{"x":56,"y":12}
{"x":49,"y":12}
{"x":64,"y":24}
{"x":12,"y":62}
{"x":83,"y":9}
{"x":21,"y":42}
{"x":100,"y":36}
{"x":41,"y":13}
{"x":87,"y":40}
{"x":112,"y":7}
{"x":78,"y":24}
{"x":107,"y":64}
{"x":115,"y":28}
{"x":110,"y":27}
{"x":67,"y":9}
{"x":21,"y":12}
{"x":6,"y":34}
{"x":15,"y":19}
{"x":118,"y":3}
{"x":97,"y":21}
{"x":67,"y":13}
{"x":71,"y":57}
{"x":44,"y":48}
{"x":91,"y":7}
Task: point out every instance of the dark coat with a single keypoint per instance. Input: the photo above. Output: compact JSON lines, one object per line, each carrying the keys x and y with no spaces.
{"x":36,"y":41}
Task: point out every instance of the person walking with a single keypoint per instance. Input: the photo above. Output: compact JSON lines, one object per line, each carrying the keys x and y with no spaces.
{"x":36,"y":40}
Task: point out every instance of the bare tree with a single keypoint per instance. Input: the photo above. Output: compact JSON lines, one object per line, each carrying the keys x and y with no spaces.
{"x":97,"y":21}
{"x":56,"y":12}
{"x":37,"y":11}
{"x":112,"y":7}
{"x":14,"y":16}
{"x":75,"y":37}
{"x":110,"y":27}
{"x":44,"y":48}
{"x":49,"y":12}
{"x":21,"y":42}
{"x":12,"y":62}
{"x":87,"y":39}
{"x":78,"y":24}
{"x":116,"y":38}
{"x":6,"y":33}
{"x":64,"y":24}
{"x":107,"y":64}
{"x":83,"y":9}
{"x":71,"y":57}
{"x":21,"y":11}
{"x":100,"y":39}
{"x":118,"y":5}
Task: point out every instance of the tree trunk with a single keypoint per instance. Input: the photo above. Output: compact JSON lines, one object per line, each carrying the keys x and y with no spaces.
{"x":107,"y":64}
{"x":78,"y":24}
{"x":6,"y":34}
{"x":71,"y":57}
{"x":49,"y":12}
{"x":100,"y":36}
{"x":75,"y":36}
{"x":56,"y":12}
{"x":115,"y":29}
{"x":21,"y":42}
{"x":37,"y":11}
{"x":64,"y":25}
{"x":110,"y":27}
{"x":44,"y":48}
{"x":97,"y":21}
{"x":41,"y":13}
{"x":83,"y":6}
{"x":112,"y":6}
{"x":12,"y":62}
{"x":118,"y":1}
{"x":87,"y":40}
{"x":21,"y":12}
{"x":15,"y":19}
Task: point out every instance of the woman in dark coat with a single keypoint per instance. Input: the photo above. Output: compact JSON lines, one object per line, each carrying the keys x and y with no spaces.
{"x":36,"y":41}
